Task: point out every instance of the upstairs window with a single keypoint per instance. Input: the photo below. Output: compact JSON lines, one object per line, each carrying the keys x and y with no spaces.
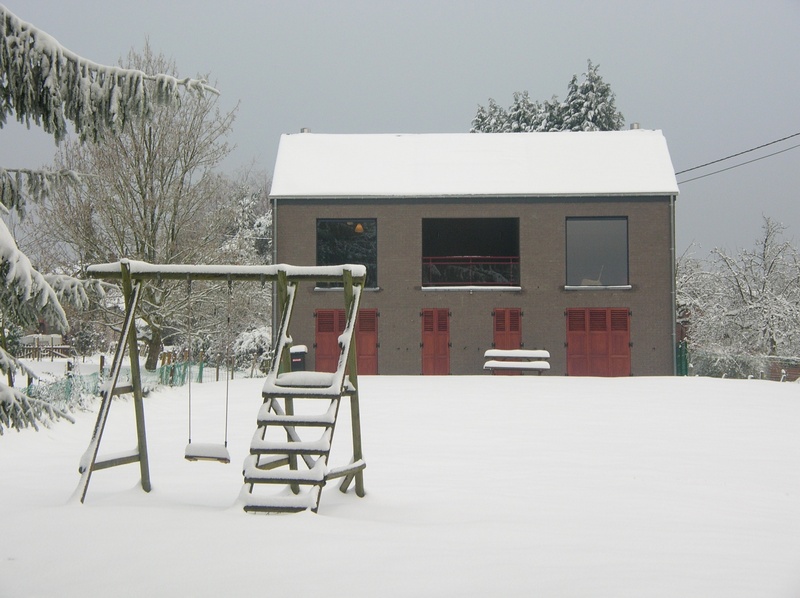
{"x":348,"y":241}
{"x":470,"y":252}
{"x":597,"y":252}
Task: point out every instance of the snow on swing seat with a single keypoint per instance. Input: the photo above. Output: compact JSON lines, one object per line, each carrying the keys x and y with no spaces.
{"x":204,"y":451}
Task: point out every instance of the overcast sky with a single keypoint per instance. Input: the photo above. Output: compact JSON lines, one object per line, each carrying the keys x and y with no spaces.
{"x":718,"y":77}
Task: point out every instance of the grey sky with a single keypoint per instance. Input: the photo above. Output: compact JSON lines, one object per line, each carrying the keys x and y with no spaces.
{"x":717,"y":77}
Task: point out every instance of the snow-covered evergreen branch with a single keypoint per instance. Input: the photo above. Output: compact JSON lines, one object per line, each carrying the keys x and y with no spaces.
{"x":26,"y":293}
{"x":43,"y":82}
{"x":20,"y":411}
{"x":9,"y":363}
{"x":37,"y":184}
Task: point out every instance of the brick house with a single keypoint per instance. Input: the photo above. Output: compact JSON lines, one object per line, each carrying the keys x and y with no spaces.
{"x":558,"y":241}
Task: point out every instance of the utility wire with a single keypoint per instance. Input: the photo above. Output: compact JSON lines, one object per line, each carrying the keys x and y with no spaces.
{"x":752,"y":149}
{"x":737,"y":165}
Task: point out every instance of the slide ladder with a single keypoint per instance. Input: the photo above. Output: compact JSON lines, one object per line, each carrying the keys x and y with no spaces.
{"x":289,"y":453}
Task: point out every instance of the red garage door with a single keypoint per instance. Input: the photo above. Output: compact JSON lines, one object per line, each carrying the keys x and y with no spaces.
{"x":598,"y":342}
{"x":330,"y":324}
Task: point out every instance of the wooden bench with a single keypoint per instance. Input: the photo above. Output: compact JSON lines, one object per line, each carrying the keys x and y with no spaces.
{"x":517,"y":360}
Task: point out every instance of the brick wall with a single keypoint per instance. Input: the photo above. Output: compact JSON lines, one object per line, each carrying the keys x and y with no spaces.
{"x":542,"y":297}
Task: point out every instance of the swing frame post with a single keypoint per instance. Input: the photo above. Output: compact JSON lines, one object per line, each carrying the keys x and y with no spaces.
{"x":136,"y":382}
{"x":355,"y":410}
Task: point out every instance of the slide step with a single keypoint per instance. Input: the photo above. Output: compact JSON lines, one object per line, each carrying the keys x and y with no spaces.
{"x":255,"y":475}
{"x":321,"y":446}
{"x":266,"y":417}
{"x":283,"y":504}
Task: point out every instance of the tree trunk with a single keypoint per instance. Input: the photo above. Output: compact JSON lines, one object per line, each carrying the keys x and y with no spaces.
{"x":153,"y":350}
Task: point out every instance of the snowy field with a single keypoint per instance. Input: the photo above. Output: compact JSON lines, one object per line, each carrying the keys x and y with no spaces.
{"x":476,"y":486}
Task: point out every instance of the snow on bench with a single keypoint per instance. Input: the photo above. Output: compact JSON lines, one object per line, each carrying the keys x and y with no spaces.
{"x":522,"y":360}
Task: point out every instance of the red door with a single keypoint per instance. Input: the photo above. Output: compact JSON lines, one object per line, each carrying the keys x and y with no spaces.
{"x":507,"y":333}
{"x":367,"y":341}
{"x":330,"y":324}
{"x":598,"y":342}
{"x":436,"y":341}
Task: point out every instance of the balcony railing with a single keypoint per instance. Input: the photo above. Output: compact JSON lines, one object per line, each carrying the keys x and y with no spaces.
{"x":470,"y":270}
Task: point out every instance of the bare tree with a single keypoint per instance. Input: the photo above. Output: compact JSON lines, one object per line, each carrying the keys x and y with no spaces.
{"x":743,"y":308}
{"x":152,"y":195}
{"x":764,"y":288}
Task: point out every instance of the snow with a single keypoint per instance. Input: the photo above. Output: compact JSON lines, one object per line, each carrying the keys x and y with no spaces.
{"x":517,"y":353}
{"x":206,"y":450}
{"x":141,"y":269}
{"x":486,"y":165}
{"x":495,"y":364}
{"x":476,"y":486}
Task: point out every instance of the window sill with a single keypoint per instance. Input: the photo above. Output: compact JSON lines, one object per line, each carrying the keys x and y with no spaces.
{"x":597,"y":287}
{"x":473,"y":288}
{"x":340,"y":289}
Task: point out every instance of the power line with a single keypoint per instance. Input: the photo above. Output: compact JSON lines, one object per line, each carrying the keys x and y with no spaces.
{"x":752,"y":149}
{"x":737,"y":165}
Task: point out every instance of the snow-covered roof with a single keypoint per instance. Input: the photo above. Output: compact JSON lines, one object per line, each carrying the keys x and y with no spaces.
{"x":634,"y":162}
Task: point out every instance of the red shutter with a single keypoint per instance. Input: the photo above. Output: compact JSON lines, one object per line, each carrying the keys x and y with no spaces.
{"x":327,"y":340}
{"x":577,"y":339}
{"x":508,"y":328}
{"x":330,"y":325}
{"x":619,"y":345}
{"x":598,"y":342}
{"x":507,"y":332}
{"x":367,"y":341}
{"x":436,"y":341}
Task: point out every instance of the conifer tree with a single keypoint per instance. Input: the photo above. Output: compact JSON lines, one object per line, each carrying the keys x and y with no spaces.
{"x":590,"y":105}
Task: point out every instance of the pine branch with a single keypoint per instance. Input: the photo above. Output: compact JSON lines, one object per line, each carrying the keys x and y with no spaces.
{"x":43,"y":82}
{"x":19,"y":411}
{"x":25,"y":292}
{"x":38,"y":184}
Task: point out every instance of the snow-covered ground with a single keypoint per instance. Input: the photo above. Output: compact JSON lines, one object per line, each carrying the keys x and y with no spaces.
{"x":476,"y":486}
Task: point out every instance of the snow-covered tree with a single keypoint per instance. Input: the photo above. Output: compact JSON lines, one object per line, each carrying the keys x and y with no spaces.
{"x":491,"y":119}
{"x":44,"y":84}
{"x":590,"y":105}
{"x":742,"y":309}
{"x":249,"y":234}
{"x":153,"y":196}
{"x":238,"y":321}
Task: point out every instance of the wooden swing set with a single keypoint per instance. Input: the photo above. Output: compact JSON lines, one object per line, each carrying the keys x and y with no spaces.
{"x":294,"y":464}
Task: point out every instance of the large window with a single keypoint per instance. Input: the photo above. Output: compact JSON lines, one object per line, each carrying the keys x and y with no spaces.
{"x":349,"y":241}
{"x":597,"y":252}
{"x":470,"y":251}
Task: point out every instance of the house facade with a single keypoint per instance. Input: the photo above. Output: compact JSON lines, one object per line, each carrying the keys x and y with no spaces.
{"x":556,"y":241}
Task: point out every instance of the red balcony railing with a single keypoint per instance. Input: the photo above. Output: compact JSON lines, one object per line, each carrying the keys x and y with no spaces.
{"x":470,"y":270}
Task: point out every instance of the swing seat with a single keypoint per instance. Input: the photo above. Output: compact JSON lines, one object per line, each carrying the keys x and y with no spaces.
{"x":200,"y":451}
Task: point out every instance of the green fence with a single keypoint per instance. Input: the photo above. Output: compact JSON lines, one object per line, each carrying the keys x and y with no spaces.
{"x":70,"y":391}
{"x":76,"y":388}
